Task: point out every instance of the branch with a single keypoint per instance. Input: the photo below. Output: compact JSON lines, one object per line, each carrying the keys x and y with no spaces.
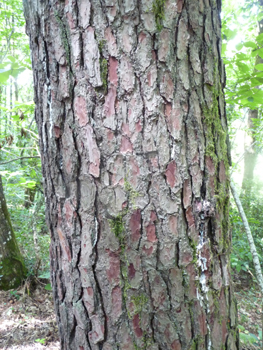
{"x":242,"y":156}
{"x":15,"y":159}
{"x":253,"y":249}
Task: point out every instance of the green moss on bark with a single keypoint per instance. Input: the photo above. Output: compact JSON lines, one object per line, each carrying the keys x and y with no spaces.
{"x":12,"y":273}
{"x":158,"y":10}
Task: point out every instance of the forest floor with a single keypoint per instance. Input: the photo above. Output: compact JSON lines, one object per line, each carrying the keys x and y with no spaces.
{"x":249,"y":304}
{"x":28,"y":322}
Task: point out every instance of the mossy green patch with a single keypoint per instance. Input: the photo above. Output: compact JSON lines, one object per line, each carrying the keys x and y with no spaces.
{"x":194,"y":247}
{"x":158,"y":10}
{"x":139,"y":302}
{"x":12,"y":273}
{"x":103,"y":66}
{"x":117,"y":227}
{"x":217,"y":148}
{"x":132,"y":194}
{"x":146,"y":342}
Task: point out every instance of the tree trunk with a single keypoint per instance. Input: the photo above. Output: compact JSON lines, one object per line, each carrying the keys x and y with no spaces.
{"x":250,"y":157}
{"x":131,"y":118}
{"x":12,"y":268}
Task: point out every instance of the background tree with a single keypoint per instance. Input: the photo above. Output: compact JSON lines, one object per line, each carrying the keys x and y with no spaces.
{"x":252,"y":148}
{"x":19,"y":156}
{"x":133,"y":142}
{"x":12,"y":267}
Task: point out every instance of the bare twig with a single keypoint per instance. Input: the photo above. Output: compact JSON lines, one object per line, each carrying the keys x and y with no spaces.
{"x":15,"y":159}
{"x":253,"y":249}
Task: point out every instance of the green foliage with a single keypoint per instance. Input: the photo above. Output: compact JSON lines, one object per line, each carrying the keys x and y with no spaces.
{"x":248,"y":338}
{"x":22,"y":179}
{"x":244,"y":75}
{"x":14,"y":294}
{"x":45,"y":275}
{"x":24,"y":222}
{"x":14,"y":48}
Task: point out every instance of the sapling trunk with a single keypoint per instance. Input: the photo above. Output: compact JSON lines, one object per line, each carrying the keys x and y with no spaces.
{"x":252,"y":246}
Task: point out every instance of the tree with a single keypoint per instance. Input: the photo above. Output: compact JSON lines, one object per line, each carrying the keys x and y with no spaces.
{"x":250,"y":157}
{"x":12,"y":267}
{"x":133,"y":137}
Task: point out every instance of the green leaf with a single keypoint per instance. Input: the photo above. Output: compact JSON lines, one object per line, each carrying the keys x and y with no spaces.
{"x":259,"y":38}
{"x":240,"y":56}
{"x":260,"y":53}
{"x":256,"y":82}
{"x":259,"y":66}
{"x":239,"y":46}
{"x":12,"y":59}
{"x":249,"y":255}
{"x":258,"y":74}
{"x":229,"y":33}
{"x":250,"y":99}
{"x":29,"y":184}
{"x":15,"y":72}
{"x":250,"y":44}
{"x":224,"y":45}
{"x":245,"y":87}
{"x":45,"y":275}
{"x":48,"y":286}
{"x":238,"y":268}
{"x":244,"y":95}
{"x":258,"y":97}
{"x":15,"y":117}
{"x":4,"y":75}
{"x":246,"y":338}
{"x":243,"y":67}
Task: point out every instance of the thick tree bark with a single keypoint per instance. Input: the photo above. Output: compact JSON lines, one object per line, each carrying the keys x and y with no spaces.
{"x":131,"y":117}
{"x":12,"y":268}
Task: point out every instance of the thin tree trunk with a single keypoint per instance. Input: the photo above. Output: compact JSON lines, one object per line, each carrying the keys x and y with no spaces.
{"x":252,"y":246}
{"x":250,"y":157}
{"x":12,"y":268}
{"x":131,"y":118}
